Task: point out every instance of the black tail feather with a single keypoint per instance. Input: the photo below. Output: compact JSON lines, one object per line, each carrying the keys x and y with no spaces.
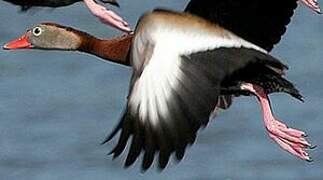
{"x":276,"y":83}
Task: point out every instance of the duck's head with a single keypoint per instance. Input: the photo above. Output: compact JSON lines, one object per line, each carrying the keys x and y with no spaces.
{"x":49,"y":36}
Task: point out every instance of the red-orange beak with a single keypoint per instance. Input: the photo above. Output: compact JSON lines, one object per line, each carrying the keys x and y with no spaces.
{"x":21,"y":43}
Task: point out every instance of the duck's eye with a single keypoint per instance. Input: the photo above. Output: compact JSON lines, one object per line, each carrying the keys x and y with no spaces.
{"x":37,"y":31}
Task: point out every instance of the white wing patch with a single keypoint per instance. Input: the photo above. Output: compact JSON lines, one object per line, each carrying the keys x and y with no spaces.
{"x":188,"y":42}
{"x":151,"y":91}
{"x":161,"y":68}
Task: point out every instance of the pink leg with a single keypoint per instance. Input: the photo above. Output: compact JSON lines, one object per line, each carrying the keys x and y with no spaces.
{"x":312,"y":4}
{"x":107,"y":16}
{"x":291,"y":140}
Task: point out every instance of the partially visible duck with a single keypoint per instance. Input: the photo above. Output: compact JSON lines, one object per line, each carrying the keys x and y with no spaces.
{"x":105,"y":15}
{"x":182,"y":66}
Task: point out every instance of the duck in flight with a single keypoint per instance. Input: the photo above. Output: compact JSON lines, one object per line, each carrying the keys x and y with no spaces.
{"x":184,"y":69}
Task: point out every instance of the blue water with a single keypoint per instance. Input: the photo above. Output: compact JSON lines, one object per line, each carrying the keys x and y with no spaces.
{"x":56,"y":108}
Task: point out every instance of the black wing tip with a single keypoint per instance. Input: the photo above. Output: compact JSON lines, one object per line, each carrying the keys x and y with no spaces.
{"x":116,"y":129}
{"x":161,"y":168}
{"x":113,"y":154}
{"x":148,"y":160}
{"x":144,"y":168}
{"x":127,"y":164}
{"x":106,"y":140}
{"x":109,"y":137}
{"x":113,"y":133}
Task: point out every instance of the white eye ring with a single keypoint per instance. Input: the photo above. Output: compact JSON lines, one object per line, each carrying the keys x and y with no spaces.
{"x":37,"y":31}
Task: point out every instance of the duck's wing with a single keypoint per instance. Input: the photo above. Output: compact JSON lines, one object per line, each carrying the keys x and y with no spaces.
{"x":178,"y":72}
{"x":166,"y":108}
{"x":261,"y":22}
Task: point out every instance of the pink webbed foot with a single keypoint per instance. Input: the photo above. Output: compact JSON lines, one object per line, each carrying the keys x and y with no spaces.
{"x":312,"y":4}
{"x":107,"y":16}
{"x":289,"y":139}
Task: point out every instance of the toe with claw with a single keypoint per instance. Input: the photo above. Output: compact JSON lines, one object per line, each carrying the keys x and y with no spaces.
{"x":289,"y":139}
{"x":312,"y":4}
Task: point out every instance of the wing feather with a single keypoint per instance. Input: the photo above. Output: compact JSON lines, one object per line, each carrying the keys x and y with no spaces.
{"x":260,"y":22}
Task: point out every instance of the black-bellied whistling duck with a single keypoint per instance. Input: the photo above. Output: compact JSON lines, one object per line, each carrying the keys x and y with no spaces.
{"x":105,"y":15}
{"x":182,"y":67}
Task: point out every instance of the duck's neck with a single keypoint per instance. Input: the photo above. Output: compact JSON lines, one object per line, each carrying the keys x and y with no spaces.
{"x":115,"y":50}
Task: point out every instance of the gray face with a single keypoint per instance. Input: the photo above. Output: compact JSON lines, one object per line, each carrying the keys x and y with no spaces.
{"x":45,"y":36}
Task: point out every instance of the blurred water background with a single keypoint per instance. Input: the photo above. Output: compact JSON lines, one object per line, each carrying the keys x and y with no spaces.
{"x":56,"y":108}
